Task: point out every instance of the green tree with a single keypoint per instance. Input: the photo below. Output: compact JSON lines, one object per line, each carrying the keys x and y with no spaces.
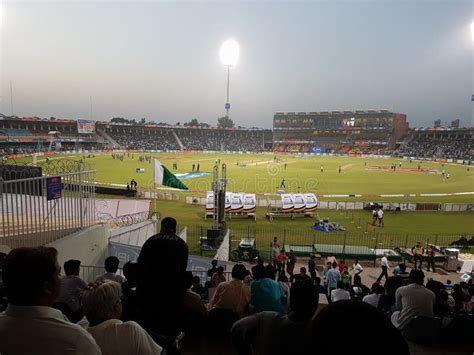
{"x":225,"y":122}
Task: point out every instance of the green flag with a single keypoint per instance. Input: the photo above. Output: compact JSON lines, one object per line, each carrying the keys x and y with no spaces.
{"x":165,"y":177}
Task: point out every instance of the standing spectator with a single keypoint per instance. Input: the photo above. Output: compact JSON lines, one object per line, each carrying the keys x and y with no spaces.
{"x":218,"y":277}
{"x":233,"y":295}
{"x":340,"y":266}
{"x":417,"y":252}
{"x":380,"y":217}
{"x":374,"y":216}
{"x":430,"y":258}
{"x":30,"y":325}
{"x":290,"y":264}
{"x":358,"y":290}
{"x":162,"y":264}
{"x":332,"y":278}
{"x":70,"y":292}
{"x":129,"y":291}
{"x":385,"y":266}
{"x":357,"y":268}
{"x":274,"y":251}
{"x":374,"y":297}
{"x":413,"y":300}
{"x":346,"y":278}
{"x":281,"y":261}
{"x":197,"y":286}
{"x":213,"y":268}
{"x":312,"y":267}
{"x":111,"y":267}
{"x":302,"y":276}
{"x":101,"y":303}
{"x":340,"y":293}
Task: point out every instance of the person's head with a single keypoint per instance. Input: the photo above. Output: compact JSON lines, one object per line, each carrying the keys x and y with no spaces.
{"x":208,"y":285}
{"x":214,"y":263}
{"x":275,"y":239}
{"x":239,"y":271}
{"x":188,"y":280}
{"x":377,"y":289}
{"x":392,"y":284}
{"x":356,"y":261}
{"x":168,"y":226}
{"x":31,"y":276}
{"x":366,"y":317}
{"x":130,"y":271}
{"x":220,"y":270}
{"x":403,"y":267}
{"x":72,"y":267}
{"x":357,"y":280}
{"x":101,"y":302}
{"x":317,"y":280}
{"x":313,"y":257}
{"x":111,"y":264}
{"x":258,"y":272}
{"x":346,"y":269}
{"x":340,"y":284}
{"x":448,"y":282}
{"x":304,"y":299}
{"x":196,"y":280}
{"x":270,"y":272}
{"x":334,"y":265}
{"x":416,"y":277}
{"x":418,"y":244}
{"x":302,"y":270}
{"x":260,"y":262}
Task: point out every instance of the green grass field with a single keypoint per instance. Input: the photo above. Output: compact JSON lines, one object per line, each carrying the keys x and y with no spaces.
{"x":262,"y":175}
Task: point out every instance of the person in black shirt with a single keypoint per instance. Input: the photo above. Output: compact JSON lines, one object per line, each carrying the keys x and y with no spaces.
{"x":319,"y":288}
{"x":213,"y":268}
{"x":358,"y":290}
{"x":302,"y":276}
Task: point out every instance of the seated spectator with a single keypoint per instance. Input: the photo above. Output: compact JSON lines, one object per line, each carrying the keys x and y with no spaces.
{"x":358,"y":290}
{"x":387,"y":300}
{"x":441,"y":307}
{"x":213,"y":268}
{"x":161,"y":270}
{"x":284,"y":284}
{"x":374,"y":297}
{"x":459,"y":297}
{"x":197,"y":286}
{"x":448,"y":286}
{"x":218,"y":277}
{"x":413,"y":300}
{"x":69,"y":300}
{"x":340,"y":293}
{"x":368,"y":320}
{"x":271,"y":333}
{"x":319,"y":288}
{"x":30,"y":325}
{"x":191,"y":300}
{"x":129,"y":291}
{"x":111,"y":267}
{"x":302,"y":276}
{"x":233,"y":295}
{"x":266,"y":294}
{"x":103,"y":309}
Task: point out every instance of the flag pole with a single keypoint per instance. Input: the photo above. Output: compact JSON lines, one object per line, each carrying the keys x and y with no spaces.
{"x":154,"y":194}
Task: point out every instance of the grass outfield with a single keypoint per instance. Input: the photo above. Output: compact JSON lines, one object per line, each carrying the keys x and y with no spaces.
{"x":262,"y":174}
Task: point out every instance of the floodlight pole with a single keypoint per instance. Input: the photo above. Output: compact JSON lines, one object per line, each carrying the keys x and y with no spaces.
{"x":227,"y":105}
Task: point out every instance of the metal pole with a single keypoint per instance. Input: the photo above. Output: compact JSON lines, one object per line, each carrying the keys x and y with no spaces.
{"x":11,"y":96}
{"x":227,"y":103}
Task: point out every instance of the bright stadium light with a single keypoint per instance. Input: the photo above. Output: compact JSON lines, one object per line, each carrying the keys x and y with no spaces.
{"x":229,"y":52}
{"x":472,"y":30}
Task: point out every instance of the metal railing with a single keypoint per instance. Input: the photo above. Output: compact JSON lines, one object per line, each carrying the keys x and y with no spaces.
{"x":37,"y":210}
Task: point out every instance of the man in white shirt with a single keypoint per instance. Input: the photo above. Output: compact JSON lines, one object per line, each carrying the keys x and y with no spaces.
{"x":384,"y":265}
{"x":111,"y":267}
{"x":380,"y":217}
{"x":413,"y":300}
{"x":340,"y":293}
{"x":103,"y":309}
{"x":373,"y":298}
{"x":357,"y":268}
{"x":30,"y":325}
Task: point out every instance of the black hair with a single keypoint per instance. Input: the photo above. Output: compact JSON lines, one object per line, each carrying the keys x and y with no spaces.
{"x":130,"y":271}
{"x":334,"y":265}
{"x":214,"y":262}
{"x":377,"y":288}
{"x":304,"y":299}
{"x":340,"y":284}
{"x":270,"y":272}
{"x":111,"y":264}
{"x":25,"y":273}
{"x":357,"y":280}
{"x":196,"y":280}
{"x":258,"y":272}
{"x":71,"y":267}
{"x":402,"y":267}
{"x":416,"y":276}
{"x":238,"y":272}
{"x":168,"y":225}
{"x":220,"y":269}
{"x":303,"y":269}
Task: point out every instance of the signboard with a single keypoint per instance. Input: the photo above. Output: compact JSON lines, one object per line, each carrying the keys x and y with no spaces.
{"x":53,"y":188}
{"x":85,"y":126}
{"x":227,"y":106}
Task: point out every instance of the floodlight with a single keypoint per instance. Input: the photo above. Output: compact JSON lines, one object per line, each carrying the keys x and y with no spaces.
{"x":229,"y":52}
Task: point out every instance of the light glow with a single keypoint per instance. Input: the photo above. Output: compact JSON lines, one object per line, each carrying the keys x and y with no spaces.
{"x":472,"y":31}
{"x":229,"y":52}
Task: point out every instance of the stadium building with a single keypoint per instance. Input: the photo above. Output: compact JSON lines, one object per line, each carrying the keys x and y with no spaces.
{"x":370,"y":131}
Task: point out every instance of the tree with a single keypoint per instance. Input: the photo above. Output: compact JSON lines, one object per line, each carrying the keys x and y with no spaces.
{"x":193,"y":123}
{"x":225,"y":122}
{"x":143,"y":121}
{"x":119,"y":120}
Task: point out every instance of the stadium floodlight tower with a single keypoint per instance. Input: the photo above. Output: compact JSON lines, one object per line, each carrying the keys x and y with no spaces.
{"x":229,"y":55}
{"x":472,"y":98}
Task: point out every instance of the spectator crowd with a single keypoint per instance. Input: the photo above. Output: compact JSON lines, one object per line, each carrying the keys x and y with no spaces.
{"x":157,"y":304}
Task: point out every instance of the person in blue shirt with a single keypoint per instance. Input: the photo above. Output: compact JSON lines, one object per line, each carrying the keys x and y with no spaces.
{"x":267,"y":294}
{"x":332,"y":277}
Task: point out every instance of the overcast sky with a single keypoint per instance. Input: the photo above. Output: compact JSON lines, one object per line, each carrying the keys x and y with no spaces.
{"x":160,"y":60}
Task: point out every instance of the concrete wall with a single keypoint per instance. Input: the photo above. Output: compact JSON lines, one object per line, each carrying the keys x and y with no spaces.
{"x":89,"y":246}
